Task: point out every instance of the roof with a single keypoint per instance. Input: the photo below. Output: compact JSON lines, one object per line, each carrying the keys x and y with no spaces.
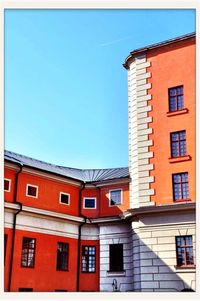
{"x":156,"y":45}
{"x":85,"y":175}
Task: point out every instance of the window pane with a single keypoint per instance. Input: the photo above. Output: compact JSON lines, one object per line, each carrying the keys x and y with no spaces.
{"x":62,"y":256}
{"x":172,"y":91}
{"x":180,"y":90}
{"x":6,"y":185}
{"x":175,"y":136}
{"x":185,"y":191}
{"x":28,"y":252}
{"x":115,"y":197}
{"x":178,"y":144}
{"x":182,"y":135}
{"x":176,"y":100}
{"x":64,"y":198}
{"x":180,"y":102}
{"x":184,"y":250}
{"x":116,"y":257}
{"x":88,"y":259}
{"x":183,"y":148}
{"x":184,"y":177}
{"x":32,"y":190}
{"x":89,"y":203}
{"x":188,"y":240}
{"x":189,"y":255}
{"x":177,"y":178}
{"x":177,"y":192}
{"x":173,"y":104}
{"x":175,"y":149}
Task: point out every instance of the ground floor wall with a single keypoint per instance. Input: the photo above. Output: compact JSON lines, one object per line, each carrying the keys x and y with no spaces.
{"x":110,"y":234}
{"x":148,"y":250}
{"x":44,"y":276}
{"x":154,"y":253}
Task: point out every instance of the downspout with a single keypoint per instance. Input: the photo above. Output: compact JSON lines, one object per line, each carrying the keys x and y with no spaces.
{"x":79,"y":236}
{"x":14,"y":226}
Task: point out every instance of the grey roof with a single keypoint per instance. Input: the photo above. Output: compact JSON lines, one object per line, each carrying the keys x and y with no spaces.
{"x":160,"y":44}
{"x":86,"y":175}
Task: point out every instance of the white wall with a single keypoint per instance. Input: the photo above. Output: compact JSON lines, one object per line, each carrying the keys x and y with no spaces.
{"x":154,"y":253}
{"x":139,"y":142}
{"x":114,"y":234}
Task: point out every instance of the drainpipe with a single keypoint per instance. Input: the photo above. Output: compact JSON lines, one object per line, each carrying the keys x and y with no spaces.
{"x":14,"y":226}
{"x":79,"y":237}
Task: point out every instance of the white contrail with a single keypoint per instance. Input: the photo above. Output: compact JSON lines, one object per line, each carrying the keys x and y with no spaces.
{"x":114,"y":42}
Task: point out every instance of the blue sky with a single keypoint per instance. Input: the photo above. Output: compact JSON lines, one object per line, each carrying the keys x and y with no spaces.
{"x":65,"y":86}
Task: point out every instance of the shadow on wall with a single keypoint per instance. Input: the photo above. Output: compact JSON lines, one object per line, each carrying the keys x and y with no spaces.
{"x":154,"y":266}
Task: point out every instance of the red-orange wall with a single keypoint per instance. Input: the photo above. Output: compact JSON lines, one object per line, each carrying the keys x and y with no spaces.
{"x":49,"y":191}
{"x":105,"y":209}
{"x":10,"y":174}
{"x":91,"y":193}
{"x":170,"y":67}
{"x":48,"y":194}
{"x":7,"y":256}
{"x":44,"y":276}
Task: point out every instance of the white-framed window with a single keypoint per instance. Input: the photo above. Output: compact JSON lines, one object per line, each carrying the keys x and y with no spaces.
{"x":64,"y":198}
{"x":31,"y":190}
{"x":89,"y":203}
{"x":7,"y":185}
{"x":115,"y":197}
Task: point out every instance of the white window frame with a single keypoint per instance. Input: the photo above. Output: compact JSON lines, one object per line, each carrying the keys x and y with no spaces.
{"x":110,"y":197}
{"x":9,"y":180}
{"x":61,"y":192}
{"x":32,"y":196}
{"x":91,"y":198}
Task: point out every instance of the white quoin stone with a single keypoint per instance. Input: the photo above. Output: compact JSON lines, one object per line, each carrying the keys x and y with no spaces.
{"x":139,"y":130}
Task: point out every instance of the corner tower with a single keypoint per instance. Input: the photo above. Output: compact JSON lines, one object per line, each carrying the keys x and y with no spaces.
{"x":139,"y":129}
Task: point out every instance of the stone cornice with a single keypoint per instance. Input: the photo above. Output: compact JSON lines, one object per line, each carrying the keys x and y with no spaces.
{"x":150,"y":210}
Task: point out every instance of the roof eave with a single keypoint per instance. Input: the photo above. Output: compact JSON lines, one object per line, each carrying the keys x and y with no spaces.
{"x":156,"y":45}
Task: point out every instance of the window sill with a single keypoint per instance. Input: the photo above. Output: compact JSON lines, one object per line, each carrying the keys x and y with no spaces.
{"x":174,"y":113}
{"x":87,"y":272}
{"x":116,"y":274}
{"x":185,"y":269}
{"x":182,"y":200}
{"x":179,"y":159}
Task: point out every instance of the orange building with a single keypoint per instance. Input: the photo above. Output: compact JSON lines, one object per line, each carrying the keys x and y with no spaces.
{"x":120,"y":229}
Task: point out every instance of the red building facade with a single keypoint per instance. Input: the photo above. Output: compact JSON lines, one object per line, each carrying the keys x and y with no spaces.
{"x":120,"y":229}
{"x":42,"y":204}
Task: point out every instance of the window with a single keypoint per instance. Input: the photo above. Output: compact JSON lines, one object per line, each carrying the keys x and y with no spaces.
{"x":178,"y":144}
{"x":180,"y":186}
{"x":62,"y":256}
{"x":31,"y":190}
{"x":184,"y":250}
{"x":116,"y":257}
{"x":5,"y":245}
{"x":7,"y":183}
{"x":64,"y":198}
{"x":28,"y":252}
{"x":25,"y":289}
{"x":89,"y":203}
{"x":115,"y":197}
{"x":176,"y":99}
{"x":88,"y":259}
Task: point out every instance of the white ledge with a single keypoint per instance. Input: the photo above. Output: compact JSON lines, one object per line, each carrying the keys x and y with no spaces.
{"x":116,"y":274}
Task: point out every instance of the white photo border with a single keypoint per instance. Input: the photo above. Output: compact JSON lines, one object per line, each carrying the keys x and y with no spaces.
{"x":103,"y":4}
